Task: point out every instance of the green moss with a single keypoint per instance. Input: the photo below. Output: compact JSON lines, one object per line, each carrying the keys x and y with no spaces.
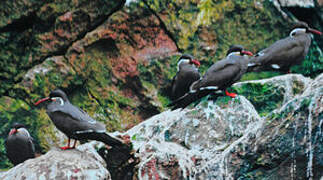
{"x":223,"y":101}
{"x":260,"y":75}
{"x":313,"y":62}
{"x":164,"y":100}
{"x":264,"y":97}
{"x":297,"y":87}
{"x":4,"y":161}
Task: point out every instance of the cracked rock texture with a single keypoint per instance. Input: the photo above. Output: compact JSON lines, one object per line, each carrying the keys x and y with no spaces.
{"x":81,"y":163}
{"x":227,"y":139}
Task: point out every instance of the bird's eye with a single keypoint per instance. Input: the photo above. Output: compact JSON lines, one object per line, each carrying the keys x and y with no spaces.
{"x":293,"y":34}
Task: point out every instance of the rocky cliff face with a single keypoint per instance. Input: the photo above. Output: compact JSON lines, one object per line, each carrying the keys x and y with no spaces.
{"x":116,"y":62}
{"x":226,"y":139}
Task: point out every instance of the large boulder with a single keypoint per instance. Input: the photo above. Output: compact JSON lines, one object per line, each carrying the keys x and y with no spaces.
{"x":269,"y":94}
{"x":81,"y":163}
{"x":227,"y":139}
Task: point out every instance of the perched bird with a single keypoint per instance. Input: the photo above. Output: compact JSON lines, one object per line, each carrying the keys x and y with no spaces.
{"x":74,"y":122}
{"x":286,"y":52}
{"x":218,"y":77}
{"x":19,"y":144}
{"x":187,"y":73}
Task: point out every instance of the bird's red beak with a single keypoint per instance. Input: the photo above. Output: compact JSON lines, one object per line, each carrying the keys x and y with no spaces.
{"x":42,"y":100}
{"x":314,"y":31}
{"x":247,"y":52}
{"x":13,"y":131}
{"x":196,"y":62}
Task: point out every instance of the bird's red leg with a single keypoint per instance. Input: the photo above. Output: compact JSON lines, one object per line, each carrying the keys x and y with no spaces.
{"x":233,"y":95}
{"x":68,"y":145}
{"x":75,"y":141}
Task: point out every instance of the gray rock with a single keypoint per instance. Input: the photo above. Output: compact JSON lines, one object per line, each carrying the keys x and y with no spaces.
{"x":81,"y":163}
{"x":269,"y":94}
{"x":297,"y":3}
{"x":229,"y":140}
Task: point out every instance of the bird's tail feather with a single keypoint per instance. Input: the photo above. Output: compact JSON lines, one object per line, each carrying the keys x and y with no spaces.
{"x":108,"y":140}
{"x":188,"y":98}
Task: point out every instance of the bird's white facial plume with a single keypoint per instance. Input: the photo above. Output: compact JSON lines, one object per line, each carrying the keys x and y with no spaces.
{"x":234,"y":53}
{"x":58,"y":100}
{"x":24,"y":131}
{"x":182,"y":61}
{"x":297,"y":31}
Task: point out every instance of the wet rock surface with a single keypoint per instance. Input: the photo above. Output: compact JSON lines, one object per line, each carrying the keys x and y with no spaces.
{"x":81,"y":163}
{"x":227,"y":139}
{"x":297,"y":3}
{"x":269,"y":94}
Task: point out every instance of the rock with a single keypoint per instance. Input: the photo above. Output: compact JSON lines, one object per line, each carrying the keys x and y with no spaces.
{"x":204,"y":27}
{"x":269,"y":94}
{"x":287,"y":145}
{"x":227,"y":139}
{"x":53,"y":69}
{"x":45,"y":29}
{"x":81,"y":163}
{"x":297,"y":3}
{"x":174,"y":144}
{"x":119,"y":49}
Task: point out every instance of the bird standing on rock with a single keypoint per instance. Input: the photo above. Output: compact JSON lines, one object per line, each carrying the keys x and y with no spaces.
{"x":75,"y":123}
{"x":218,"y":77}
{"x":286,"y":52}
{"x":19,"y":144}
{"x":187,"y":73}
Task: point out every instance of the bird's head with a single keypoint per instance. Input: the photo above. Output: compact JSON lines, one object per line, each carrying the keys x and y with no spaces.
{"x":187,"y":59}
{"x":302,"y":28}
{"x":57,"y":95}
{"x":15,"y":127}
{"x":238,"y":50}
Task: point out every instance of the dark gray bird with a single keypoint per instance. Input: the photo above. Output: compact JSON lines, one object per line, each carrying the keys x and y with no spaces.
{"x":187,"y":73}
{"x":218,"y":77}
{"x":74,"y":122}
{"x":286,"y":52}
{"x":19,"y":144}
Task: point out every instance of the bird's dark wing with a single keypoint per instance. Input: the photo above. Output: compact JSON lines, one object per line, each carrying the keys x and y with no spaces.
{"x":31,"y":149}
{"x":76,"y":113}
{"x":77,"y":119}
{"x":19,"y":147}
{"x":216,"y":78}
{"x":282,"y":54}
{"x":188,"y":98}
{"x":173,"y":85}
{"x":183,"y":80}
{"x":220,"y":77}
{"x":29,"y":141}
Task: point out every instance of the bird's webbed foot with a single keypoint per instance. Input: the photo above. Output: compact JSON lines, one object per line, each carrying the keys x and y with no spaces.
{"x":233,"y":95}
